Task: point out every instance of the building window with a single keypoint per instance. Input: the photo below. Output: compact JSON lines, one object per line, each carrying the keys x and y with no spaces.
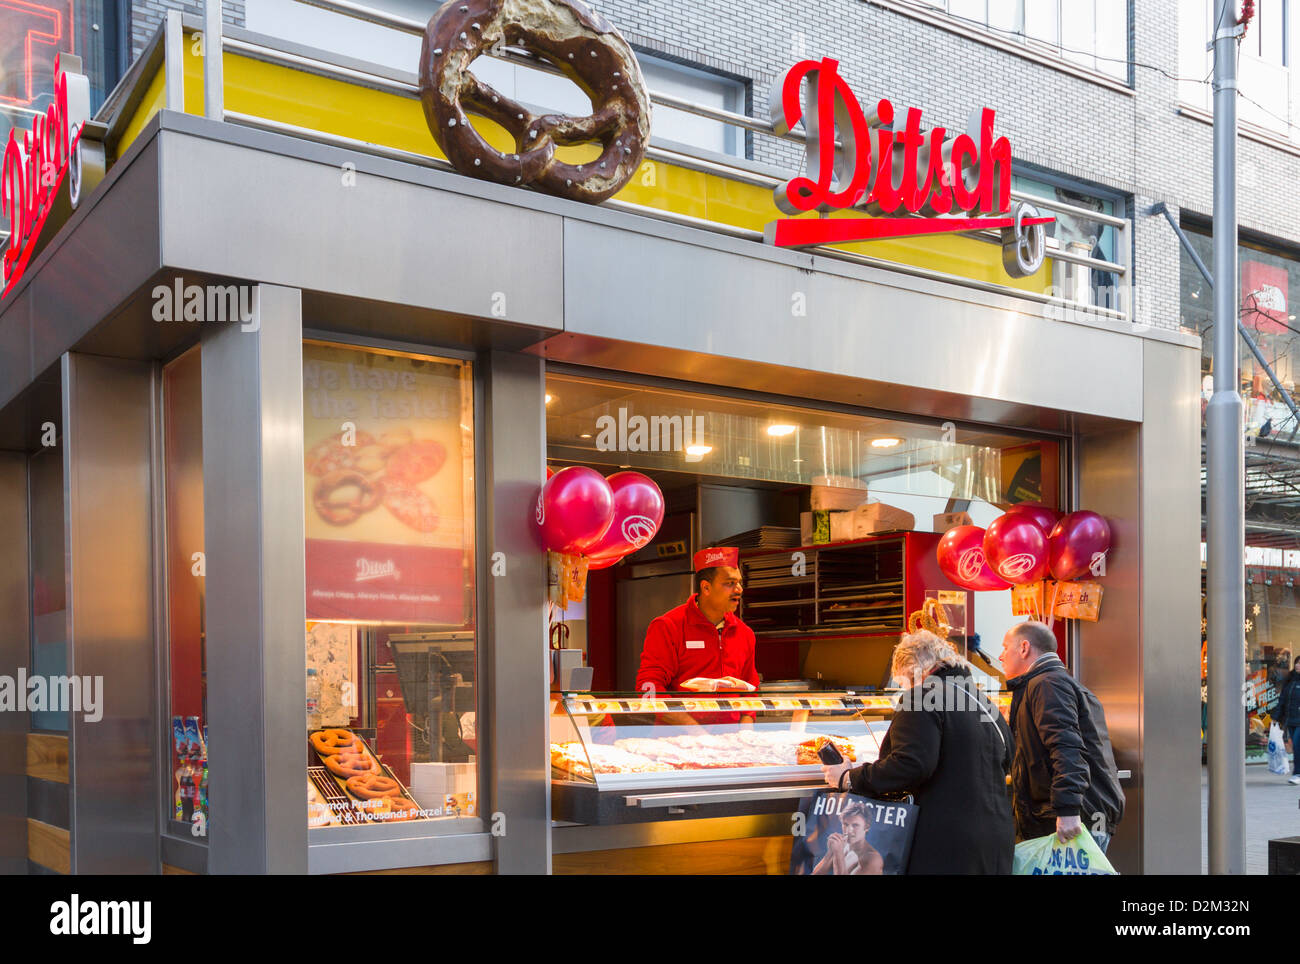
{"x":186,"y":591}
{"x":1268,"y":81}
{"x":543,"y":91}
{"x":1081,"y":235}
{"x":1091,"y":33}
{"x":391,"y":681}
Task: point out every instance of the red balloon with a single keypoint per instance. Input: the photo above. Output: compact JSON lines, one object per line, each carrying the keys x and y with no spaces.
{"x":574,"y":509}
{"x":549,"y":471}
{"x":638,"y":511}
{"x":1016,"y":547}
{"x":961,"y":557}
{"x":603,"y":562}
{"x":1075,"y":542}
{"x":1045,"y":517}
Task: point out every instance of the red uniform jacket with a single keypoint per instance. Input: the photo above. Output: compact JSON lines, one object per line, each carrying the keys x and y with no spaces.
{"x":682,"y":644}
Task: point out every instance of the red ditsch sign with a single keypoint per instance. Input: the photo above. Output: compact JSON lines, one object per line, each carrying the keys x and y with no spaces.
{"x":885,"y":160}
{"x":32,"y":175}
{"x":383,"y":582}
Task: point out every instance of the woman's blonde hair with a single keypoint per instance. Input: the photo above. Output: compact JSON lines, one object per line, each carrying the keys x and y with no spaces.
{"x":918,"y":653}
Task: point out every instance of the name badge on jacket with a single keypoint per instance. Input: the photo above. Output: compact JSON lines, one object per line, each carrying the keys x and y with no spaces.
{"x":695,"y":644}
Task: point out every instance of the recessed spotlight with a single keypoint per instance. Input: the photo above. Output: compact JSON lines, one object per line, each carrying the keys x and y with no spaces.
{"x":585,"y":435}
{"x":885,"y":443}
{"x":798,"y":460}
{"x":780,"y":430}
{"x":698,"y":450}
{"x":549,"y":396}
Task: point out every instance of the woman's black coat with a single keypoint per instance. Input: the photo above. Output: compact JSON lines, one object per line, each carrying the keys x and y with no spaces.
{"x":953,"y":758}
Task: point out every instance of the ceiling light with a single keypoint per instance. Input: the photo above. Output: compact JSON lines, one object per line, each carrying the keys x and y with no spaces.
{"x":549,"y":396}
{"x":698,"y":450}
{"x":885,"y":443}
{"x":585,"y":435}
{"x":779,"y":431}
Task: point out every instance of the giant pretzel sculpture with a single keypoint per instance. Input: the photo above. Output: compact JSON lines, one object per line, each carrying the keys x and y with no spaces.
{"x":569,"y":35}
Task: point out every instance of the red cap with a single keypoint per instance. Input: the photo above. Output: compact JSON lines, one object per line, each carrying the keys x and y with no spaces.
{"x":708,"y":558}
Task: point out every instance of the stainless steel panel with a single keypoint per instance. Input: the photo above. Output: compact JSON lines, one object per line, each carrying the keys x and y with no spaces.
{"x":640,"y":601}
{"x":187,"y":854}
{"x":861,"y":323}
{"x":656,"y":800}
{"x":107,"y":420}
{"x":345,"y":858}
{"x":255,"y":607}
{"x":106,"y":251}
{"x":516,"y":663}
{"x":1171,"y":592}
{"x":1109,"y":651}
{"x":385,"y":239}
{"x":576,"y":839}
{"x":47,"y":801}
{"x":14,"y":641}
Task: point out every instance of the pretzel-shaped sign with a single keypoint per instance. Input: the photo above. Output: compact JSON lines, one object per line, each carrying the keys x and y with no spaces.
{"x":568,"y":35}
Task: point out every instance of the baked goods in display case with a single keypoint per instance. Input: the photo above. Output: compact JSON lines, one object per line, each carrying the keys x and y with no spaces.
{"x":615,"y":741}
{"x":348,"y":785}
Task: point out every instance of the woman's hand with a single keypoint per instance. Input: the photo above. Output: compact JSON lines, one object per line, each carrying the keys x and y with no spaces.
{"x":833,"y":773}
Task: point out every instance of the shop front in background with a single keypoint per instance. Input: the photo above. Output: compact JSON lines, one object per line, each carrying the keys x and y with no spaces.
{"x":836,"y":513}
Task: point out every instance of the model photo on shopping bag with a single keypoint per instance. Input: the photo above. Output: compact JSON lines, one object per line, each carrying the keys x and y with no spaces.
{"x":849,"y":834}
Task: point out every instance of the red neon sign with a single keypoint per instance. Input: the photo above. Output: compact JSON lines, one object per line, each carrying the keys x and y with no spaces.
{"x":899,"y":167}
{"x":31,"y":176}
{"x":45,"y":29}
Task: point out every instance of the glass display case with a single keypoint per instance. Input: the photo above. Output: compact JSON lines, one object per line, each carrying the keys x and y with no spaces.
{"x":618,"y":758}
{"x":621,"y":758}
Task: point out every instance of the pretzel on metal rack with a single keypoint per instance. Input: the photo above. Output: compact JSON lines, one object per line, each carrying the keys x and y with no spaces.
{"x":931,"y":617}
{"x":569,"y":36}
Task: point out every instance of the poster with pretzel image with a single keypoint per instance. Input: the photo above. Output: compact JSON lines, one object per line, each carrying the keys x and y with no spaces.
{"x":388,"y":471}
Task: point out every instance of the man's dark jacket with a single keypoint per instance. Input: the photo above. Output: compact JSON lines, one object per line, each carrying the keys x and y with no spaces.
{"x":1288,"y":707}
{"x":1059,"y":768}
{"x":951,"y":753}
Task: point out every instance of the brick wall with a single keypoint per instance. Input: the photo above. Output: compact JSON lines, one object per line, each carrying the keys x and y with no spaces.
{"x":146,"y":15}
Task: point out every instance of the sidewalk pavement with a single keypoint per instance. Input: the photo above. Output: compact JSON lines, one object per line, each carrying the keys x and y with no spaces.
{"x":1272,"y":810}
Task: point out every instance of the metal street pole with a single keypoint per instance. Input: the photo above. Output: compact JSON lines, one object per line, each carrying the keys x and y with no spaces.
{"x":1225,"y":486}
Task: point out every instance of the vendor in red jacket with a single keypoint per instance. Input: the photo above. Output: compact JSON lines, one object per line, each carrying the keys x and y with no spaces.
{"x":701,"y":645}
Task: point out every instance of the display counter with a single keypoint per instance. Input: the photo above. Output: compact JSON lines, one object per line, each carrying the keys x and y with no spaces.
{"x":620,"y":759}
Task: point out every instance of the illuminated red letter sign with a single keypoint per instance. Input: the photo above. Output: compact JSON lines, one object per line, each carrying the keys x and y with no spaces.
{"x":887,"y":161}
{"x":31,"y":177}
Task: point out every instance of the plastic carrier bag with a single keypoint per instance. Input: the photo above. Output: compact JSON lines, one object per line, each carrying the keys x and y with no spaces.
{"x":1277,"y":762}
{"x":1049,"y":857}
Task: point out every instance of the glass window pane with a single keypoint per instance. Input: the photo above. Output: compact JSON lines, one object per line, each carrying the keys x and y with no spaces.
{"x":1004,"y":15}
{"x":1041,"y":20}
{"x":391,"y":647}
{"x":1112,"y":38}
{"x":969,"y":10}
{"x":183,"y":469}
{"x":1078,"y":32}
{"x":1268,"y":30}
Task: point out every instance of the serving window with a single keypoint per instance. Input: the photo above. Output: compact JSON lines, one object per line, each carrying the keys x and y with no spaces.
{"x":391,"y":680}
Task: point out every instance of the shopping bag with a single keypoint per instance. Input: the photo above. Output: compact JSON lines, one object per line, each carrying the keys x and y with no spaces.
{"x":1277,"y":752}
{"x":844,"y":833}
{"x":1049,"y":857}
